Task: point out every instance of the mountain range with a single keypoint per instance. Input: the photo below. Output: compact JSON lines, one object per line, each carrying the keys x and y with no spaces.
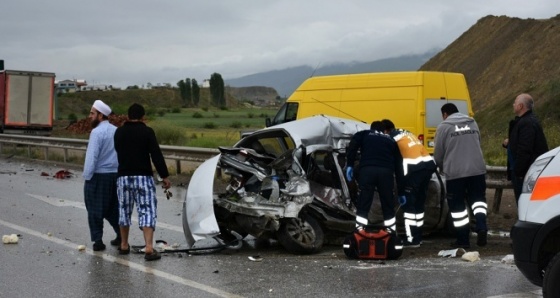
{"x":500,"y":57}
{"x":285,"y":81}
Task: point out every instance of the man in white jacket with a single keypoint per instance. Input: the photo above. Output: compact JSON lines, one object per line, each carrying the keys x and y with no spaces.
{"x":100,"y":175}
{"x":459,"y":157}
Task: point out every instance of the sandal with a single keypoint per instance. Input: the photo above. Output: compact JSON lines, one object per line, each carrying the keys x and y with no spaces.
{"x":153,"y":256}
{"x":116,"y":241}
{"x":124,"y":251}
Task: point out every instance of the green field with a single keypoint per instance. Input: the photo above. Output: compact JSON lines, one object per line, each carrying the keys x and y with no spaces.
{"x":208,"y":128}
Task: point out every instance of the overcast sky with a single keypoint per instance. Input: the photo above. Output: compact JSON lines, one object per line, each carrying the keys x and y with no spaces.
{"x":135,"y":42}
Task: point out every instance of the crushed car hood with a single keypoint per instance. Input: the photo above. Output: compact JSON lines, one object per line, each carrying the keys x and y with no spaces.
{"x":199,"y":221}
{"x":319,"y":129}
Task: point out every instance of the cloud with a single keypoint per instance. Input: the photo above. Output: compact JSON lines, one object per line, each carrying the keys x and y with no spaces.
{"x":135,"y":42}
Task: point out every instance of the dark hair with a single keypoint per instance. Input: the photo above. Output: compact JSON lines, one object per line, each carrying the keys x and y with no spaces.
{"x":388,"y":124}
{"x":377,"y":125}
{"x":449,"y":109}
{"x":136,"y":112}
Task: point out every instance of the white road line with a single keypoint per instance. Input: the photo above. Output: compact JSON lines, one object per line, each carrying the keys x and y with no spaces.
{"x":133,"y":265}
{"x":533,"y":294}
{"x":58,"y":202}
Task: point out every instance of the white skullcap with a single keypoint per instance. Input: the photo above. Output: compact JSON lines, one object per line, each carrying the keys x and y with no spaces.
{"x":102,"y":108}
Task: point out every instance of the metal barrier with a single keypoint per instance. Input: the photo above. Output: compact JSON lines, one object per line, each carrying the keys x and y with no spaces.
{"x":174,"y":153}
{"x":496,"y":177}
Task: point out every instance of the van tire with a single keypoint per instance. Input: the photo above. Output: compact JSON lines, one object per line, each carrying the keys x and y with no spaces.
{"x":303,"y":235}
{"x":551,"y":278}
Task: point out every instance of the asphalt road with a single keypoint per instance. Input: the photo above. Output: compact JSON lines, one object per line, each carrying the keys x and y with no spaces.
{"x":50,"y":217}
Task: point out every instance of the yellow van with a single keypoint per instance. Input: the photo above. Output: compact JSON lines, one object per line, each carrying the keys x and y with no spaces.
{"x":411,"y":99}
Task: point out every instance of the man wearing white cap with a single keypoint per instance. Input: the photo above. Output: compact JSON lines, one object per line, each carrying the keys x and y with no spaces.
{"x":100,"y":174}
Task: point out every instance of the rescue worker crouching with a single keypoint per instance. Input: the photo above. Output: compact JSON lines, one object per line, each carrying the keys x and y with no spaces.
{"x":418,"y":167}
{"x":380,"y":162}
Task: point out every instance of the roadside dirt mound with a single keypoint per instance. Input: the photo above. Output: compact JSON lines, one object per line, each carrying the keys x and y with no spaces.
{"x":83,"y":126}
{"x":501,"y":57}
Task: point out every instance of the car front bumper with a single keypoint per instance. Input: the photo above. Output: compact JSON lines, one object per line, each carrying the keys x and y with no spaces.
{"x":525,"y":250}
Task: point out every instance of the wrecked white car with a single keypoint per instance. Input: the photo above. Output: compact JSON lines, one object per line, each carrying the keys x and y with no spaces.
{"x":286,"y":183}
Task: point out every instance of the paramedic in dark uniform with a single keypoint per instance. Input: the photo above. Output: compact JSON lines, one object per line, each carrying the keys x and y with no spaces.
{"x":380,"y":160}
{"x":418,"y":167}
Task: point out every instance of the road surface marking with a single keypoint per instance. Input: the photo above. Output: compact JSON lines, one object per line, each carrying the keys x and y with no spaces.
{"x":58,"y":202}
{"x":133,"y":265}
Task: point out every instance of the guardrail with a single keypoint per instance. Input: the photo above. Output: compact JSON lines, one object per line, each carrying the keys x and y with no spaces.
{"x":177,"y":154}
{"x":496,"y":178}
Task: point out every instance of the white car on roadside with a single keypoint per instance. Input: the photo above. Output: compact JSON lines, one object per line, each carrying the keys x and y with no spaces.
{"x":285,"y":183}
{"x":536,"y":235}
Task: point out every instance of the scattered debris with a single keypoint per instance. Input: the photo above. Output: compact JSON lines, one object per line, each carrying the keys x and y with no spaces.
{"x":471,"y":256}
{"x":81,"y":247}
{"x":255,"y":258}
{"x":10,"y":239}
{"x":168,"y":193}
{"x":62,"y":174}
{"x":45,"y":174}
{"x":49,"y":234}
{"x":508,"y":259}
{"x":451,"y":253}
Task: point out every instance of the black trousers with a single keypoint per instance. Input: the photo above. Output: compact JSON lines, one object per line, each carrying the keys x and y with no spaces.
{"x":372,"y":178}
{"x":415,"y":190}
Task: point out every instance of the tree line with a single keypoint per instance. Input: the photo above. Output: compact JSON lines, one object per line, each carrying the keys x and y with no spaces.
{"x":190,"y":91}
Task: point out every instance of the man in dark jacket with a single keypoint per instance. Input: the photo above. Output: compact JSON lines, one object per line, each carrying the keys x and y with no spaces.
{"x":526,"y":141}
{"x":380,"y":160}
{"x":137,"y":148}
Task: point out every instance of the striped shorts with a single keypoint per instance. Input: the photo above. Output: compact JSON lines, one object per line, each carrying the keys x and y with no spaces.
{"x":139,"y":190}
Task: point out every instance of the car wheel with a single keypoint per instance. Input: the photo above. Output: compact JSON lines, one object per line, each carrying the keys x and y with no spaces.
{"x":301,"y":235}
{"x":551,"y":278}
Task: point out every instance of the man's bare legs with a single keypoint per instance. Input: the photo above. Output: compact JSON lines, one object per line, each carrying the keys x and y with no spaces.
{"x":149,"y":239}
{"x":124,"y":237}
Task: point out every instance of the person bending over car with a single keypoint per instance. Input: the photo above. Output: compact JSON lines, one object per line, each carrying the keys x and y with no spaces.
{"x":380,"y":160}
{"x":418,"y":167}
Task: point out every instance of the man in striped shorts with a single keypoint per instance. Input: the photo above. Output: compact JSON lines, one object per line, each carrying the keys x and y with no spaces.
{"x":100,"y":174}
{"x":137,"y":148}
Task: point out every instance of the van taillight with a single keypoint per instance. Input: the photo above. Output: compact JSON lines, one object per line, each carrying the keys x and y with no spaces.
{"x":421,"y":138}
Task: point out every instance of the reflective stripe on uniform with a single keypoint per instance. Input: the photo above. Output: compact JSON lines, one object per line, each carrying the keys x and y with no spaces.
{"x":460,"y":219}
{"x":361,"y":221}
{"x":391,"y":223}
{"x":479,"y":207}
{"x":419,"y":219}
{"x":409,"y":221}
{"x":415,"y":161}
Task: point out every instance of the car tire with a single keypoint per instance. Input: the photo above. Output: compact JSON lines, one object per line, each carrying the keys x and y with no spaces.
{"x":551,"y":278}
{"x":301,"y":235}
